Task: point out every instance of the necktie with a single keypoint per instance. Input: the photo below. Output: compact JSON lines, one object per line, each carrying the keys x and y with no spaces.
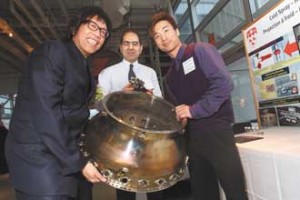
{"x":131,"y":73}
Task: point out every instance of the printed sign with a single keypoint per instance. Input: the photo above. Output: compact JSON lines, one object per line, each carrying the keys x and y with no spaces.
{"x":272,"y":48}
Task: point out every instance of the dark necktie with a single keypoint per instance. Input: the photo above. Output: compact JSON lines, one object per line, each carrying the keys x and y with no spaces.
{"x":131,"y":73}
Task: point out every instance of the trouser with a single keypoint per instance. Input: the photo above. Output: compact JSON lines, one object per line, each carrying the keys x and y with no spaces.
{"x":22,"y":196}
{"x":85,"y":189}
{"x":84,"y":192}
{"x":124,"y":195}
{"x":213,"y":159}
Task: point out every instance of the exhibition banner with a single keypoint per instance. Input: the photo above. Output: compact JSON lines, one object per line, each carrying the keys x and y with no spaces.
{"x":272,"y":48}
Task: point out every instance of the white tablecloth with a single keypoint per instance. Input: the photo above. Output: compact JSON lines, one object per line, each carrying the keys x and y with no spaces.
{"x":272,"y":165}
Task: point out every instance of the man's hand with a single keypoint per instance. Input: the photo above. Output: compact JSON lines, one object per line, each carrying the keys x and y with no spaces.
{"x":91,"y":173}
{"x":128,"y":87}
{"x":183,"y":122}
{"x":150,"y":92}
{"x":182,"y":112}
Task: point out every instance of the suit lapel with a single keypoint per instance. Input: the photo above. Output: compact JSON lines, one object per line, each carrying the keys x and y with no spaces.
{"x":92,"y":84}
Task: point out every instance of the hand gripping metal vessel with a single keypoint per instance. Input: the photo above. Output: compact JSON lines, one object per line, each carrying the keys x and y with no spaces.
{"x":136,"y":142}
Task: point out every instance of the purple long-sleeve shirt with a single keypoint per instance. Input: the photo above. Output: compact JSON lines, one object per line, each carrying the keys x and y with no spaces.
{"x":199,"y":78}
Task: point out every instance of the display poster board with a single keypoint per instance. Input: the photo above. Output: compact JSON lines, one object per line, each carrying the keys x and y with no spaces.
{"x":272,"y":46}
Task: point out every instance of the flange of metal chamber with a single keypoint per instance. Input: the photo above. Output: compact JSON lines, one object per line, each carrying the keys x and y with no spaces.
{"x":136,"y":142}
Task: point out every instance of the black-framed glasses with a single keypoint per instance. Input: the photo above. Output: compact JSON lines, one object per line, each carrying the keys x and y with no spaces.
{"x":94,"y":27}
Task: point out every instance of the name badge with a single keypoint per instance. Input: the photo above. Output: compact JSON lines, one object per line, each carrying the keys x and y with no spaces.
{"x":189,"y":65}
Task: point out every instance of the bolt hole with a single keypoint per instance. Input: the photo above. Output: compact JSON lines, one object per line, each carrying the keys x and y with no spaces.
{"x":132,"y":119}
{"x":106,"y":173}
{"x":124,"y":180}
{"x":160,"y":181}
{"x":143,"y":183}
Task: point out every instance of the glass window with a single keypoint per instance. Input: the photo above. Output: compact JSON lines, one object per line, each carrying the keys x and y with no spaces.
{"x":185,"y":29}
{"x":231,"y":16}
{"x":257,"y":4}
{"x":7,"y":103}
{"x":241,"y":97}
{"x":200,"y":8}
{"x":258,"y":7}
{"x":180,"y":10}
{"x":232,"y":43}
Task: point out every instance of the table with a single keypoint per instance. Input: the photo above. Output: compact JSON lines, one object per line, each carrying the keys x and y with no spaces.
{"x":272,"y":165}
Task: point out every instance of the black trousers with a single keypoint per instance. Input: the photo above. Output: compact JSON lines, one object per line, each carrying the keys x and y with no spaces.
{"x":23,"y":196}
{"x":124,"y":195}
{"x":214,"y":159}
{"x":84,"y":192}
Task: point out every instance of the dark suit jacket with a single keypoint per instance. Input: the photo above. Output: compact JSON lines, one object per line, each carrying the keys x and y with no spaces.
{"x":3,"y":163}
{"x":51,"y":109}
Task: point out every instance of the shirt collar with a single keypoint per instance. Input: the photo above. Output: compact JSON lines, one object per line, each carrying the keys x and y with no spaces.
{"x":128,"y":63}
{"x":179,"y":56}
{"x":77,"y":52}
{"x":181,"y":52}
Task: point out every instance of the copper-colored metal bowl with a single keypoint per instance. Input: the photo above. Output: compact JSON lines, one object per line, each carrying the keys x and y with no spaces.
{"x":136,"y":142}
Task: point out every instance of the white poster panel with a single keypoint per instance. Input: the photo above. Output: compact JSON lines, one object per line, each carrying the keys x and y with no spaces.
{"x":272,"y":48}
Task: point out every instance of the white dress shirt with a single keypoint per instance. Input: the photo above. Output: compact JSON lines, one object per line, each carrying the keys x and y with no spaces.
{"x":115,"y":77}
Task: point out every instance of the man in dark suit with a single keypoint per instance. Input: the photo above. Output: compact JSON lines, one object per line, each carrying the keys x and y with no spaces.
{"x":51,"y":108}
{"x":3,"y":135}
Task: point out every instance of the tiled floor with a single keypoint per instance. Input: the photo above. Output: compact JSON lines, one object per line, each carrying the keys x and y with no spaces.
{"x":180,"y":191}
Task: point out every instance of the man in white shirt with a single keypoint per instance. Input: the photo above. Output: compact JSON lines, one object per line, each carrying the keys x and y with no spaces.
{"x":115,"y":77}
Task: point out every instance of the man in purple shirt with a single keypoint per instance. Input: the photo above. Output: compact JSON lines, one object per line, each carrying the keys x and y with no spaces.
{"x":199,"y":84}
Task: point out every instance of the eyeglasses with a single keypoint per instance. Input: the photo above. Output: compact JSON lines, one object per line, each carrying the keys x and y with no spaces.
{"x":94,"y":27}
{"x":127,"y":43}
